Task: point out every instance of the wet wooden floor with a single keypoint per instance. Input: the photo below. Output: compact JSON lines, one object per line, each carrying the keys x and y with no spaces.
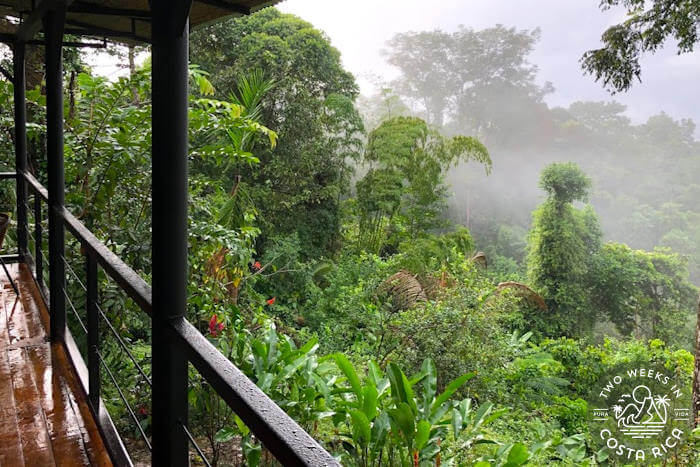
{"x":44,"y":416}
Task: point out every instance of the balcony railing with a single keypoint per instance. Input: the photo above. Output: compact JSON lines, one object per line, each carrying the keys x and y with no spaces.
{"x":281,"y":435}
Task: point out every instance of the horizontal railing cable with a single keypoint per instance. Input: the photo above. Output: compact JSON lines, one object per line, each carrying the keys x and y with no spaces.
{"x":70,"y":269}
{"x":195,"y":445}
{"x":123,"y":345}
{"x":75,"y":312}
{"x":114,"y":332}
{"x":126,"y":403}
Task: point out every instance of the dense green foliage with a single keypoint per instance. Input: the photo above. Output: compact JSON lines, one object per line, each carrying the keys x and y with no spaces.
{"x":310,"y":106}
{"x":563,"y":242}
{"x":362,"y":305}
{"x":403,"y":194}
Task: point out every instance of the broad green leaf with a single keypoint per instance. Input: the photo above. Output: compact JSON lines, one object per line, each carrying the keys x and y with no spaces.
{"x":481,"y":413}
{"x":518,"y":455}
{"x":225,"y":435}
{"x":429,"y":382}
{"x":349,"y":372}
{"x":310,"y":346}
{"x":422,"y":434}
{"x":400,"y":387}
{"x":402,"y":418}
{"x":369,"y":402}
{"x":451,"y":389}
{"x":361,"y":429}
{"x":380,"y":430}
{"x":456,"y":423}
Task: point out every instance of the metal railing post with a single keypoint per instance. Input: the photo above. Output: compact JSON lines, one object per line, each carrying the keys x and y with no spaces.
{"x":20,"y":84}
{"x":170,"y":37}
{"x":53,"y":32}
{"x":93,"y":326}
{"x":38,"y":250}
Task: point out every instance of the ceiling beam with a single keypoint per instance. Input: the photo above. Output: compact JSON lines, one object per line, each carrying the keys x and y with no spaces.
{"x":94,"y":9}
{"x":89,"y":45}
{"x":232,"y":7}
{"x":29,"y":27}
{"x":87,"y":29}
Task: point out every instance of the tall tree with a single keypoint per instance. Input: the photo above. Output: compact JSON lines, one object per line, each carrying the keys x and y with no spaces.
{"x":467,"y":80}
{"x":410,"y":158}
{"x":562,"y":245}
{"x":311,"y":106}
{"x":648,"y":25}
{"x":646,"y":294}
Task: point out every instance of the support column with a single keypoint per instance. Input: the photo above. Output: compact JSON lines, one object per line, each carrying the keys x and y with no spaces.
{"x":170,"y":36}
{"x":53,"y":32}
{"x":20,"y":84}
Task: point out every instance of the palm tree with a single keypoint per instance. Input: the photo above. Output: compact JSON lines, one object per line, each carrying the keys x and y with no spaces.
{"x":617,"y":409}
{"x":663,"y":402}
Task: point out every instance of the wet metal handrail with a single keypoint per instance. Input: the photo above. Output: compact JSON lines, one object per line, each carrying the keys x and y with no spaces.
{"x":280,"y":434}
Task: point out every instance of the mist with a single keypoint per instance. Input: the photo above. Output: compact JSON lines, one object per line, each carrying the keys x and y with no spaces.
{"x":529,"y":101}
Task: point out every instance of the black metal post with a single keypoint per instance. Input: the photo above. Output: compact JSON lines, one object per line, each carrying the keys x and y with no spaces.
{"x":93,"y":326}
{"x":170,"y":36}
{"x":38,"y":250}
{"x":20,"y":85}
{"x":53,"y":32}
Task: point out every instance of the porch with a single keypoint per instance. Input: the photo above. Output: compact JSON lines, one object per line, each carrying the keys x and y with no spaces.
{"x":51,"y":382}
{"x":45,"y":419}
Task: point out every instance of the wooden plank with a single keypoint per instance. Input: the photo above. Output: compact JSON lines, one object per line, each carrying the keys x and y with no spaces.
{"x":4,"y":336}
{"x":94,"y":445}
{"x":35,"y":439}
{"x":23,"y":319}
{"x":64,"y":426}
{"x":30,"y":293}
{"x":45,"y":419}
{"x":10,"y":442}
{"x":80,"y":441}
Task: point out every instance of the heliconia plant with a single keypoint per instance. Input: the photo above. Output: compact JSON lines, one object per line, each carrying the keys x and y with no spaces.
{"x":394,"y":420}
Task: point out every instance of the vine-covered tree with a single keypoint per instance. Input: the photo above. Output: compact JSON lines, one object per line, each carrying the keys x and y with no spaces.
{"x":562,"y":245}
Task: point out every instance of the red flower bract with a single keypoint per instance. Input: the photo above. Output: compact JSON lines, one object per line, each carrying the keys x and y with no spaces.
{"x":215,"y":326}
{"x":271,"y":301}
{"x":257,"y":265}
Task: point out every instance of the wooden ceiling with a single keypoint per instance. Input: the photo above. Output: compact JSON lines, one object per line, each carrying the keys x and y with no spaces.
{"x":125,"y":20}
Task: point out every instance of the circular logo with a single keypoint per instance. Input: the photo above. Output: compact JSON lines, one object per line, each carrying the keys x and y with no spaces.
{"x":640,"y":413}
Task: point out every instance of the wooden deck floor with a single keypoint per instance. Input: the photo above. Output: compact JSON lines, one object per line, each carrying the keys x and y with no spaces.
{"x":44,"y":416}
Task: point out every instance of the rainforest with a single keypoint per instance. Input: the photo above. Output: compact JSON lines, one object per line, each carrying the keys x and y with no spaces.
{"x":441,"y":272}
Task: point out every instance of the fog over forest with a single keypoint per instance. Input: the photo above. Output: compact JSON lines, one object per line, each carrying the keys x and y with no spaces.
{"x":486,"y":82}
{"x":419,"y":229}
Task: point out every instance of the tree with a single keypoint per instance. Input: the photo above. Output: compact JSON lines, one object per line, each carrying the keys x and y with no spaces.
{"x":643,"y":293}
{"x":696,"y":375}
{"x":468,"y":80}
{"x":647,"y":27}
{"x":561,"y":248}
{"x":410,"y":158}
{"x":311,"y":107}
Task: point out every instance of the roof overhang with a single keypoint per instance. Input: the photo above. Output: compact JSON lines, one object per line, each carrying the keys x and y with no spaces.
{"x":126,"y":21}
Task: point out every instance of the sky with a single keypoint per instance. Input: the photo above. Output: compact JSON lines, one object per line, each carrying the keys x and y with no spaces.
{"x":361,"y":28}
